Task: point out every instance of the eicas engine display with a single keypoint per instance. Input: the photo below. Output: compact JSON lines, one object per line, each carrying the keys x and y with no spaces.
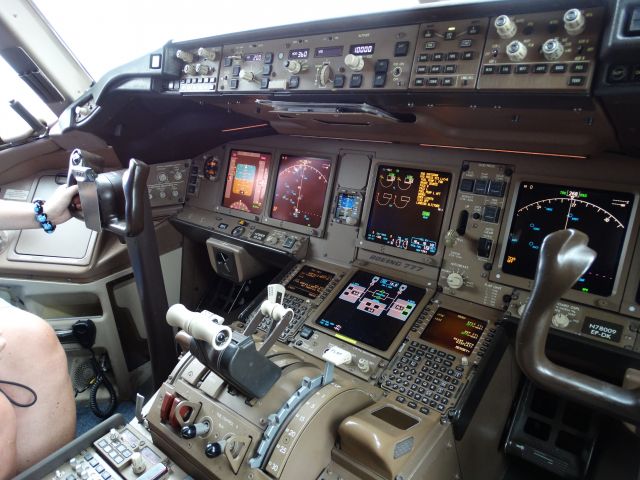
{"x":408,"y":208}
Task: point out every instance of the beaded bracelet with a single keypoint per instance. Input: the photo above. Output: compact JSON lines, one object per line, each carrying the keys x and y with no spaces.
{"x":41,"y":217}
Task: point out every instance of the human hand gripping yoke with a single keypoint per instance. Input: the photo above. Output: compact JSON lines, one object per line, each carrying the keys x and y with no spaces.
{"x":233,"y":355}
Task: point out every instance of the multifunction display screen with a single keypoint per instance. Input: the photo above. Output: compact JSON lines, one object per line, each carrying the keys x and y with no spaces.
{"x":246,"y":181}
{"x":309,"y":282}
{"x":372,"y":309}
{"x":454,"y":331}
{"x":301,"y":188}
{"x":542,"y":209}
{"x":408,"y":208}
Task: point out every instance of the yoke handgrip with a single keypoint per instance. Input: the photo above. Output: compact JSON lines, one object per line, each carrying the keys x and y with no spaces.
{"x":564,"y":258}
{"x":134,"y":185}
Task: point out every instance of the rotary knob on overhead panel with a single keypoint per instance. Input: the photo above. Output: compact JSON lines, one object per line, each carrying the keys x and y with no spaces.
{"x":354,"y":62}
{"x":325,"y":75}
{"x":455,"y":280}
{"x":293,"y":66}
{"x":247,"y":75}
{"x":552,"y":49}
{"x":207,"y":54}
{"x":505,"y":27}
{"x":189,"y":69}
{"x":517,"y":51}
{"x":363,"y":365}
{"x":574,"y":21}
{"x":163,"y":177}
{"x":560,"y":320}
{"x":185,"y":56}
{"x":177,"y":175}
{"x":202,"y":69}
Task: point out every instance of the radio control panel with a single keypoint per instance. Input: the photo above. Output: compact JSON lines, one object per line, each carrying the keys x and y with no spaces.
{"x":167,"y":183}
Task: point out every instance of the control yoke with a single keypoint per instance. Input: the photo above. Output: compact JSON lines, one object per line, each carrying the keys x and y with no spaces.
{"x":117,"y":202}
{"x":564,"y":258}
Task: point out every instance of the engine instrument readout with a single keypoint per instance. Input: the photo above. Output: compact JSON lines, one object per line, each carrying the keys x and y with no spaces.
{"x":454,"y":331}
{"x":371,"y":309}
{"x":309,"y":282}
{"x":408,"y":208}
{"x":542,"y":209}
{"x":246,"y":181}
{"x":300,"y":191}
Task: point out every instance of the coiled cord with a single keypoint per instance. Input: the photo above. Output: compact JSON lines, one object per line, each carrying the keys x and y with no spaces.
{"x":99,"y":381}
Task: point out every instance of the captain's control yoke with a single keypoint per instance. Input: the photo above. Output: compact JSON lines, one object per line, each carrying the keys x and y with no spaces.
{"x":564,"y":258}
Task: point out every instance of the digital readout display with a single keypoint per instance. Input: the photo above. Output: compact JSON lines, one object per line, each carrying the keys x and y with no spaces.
{"x":328,"y":52}
{"x":246,"y":181}
{"x":371,"y":309}
{"x":309,"y":282}
{"x":362,"y":49}
{"x":454,"y":331}
{"x":300,"y":191}
{"x":299,"y":54}
{"x":543,"y":208}
{"x":253,"y":57}
{"x":408,"y":208}
{"x":259,"y":235}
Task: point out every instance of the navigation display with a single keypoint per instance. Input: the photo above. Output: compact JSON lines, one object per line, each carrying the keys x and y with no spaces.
{"x":246,"y":181}
{"x":454,"y":331}
{"x":371,"y":310}
{"x":408,"y":208}
{"x":309,"y":282}
{"x":300,"y":191}
{"x":542,"y":209}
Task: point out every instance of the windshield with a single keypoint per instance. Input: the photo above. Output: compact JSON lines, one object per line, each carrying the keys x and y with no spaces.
{"x":104,"y":35}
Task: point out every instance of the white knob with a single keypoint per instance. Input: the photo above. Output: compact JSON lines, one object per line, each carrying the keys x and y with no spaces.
{"x":354,"y":62}
{"x":516,"y":51}
{"x":521,"y":309}
{"x":293,"y":66}
{"x":207,"y":53}
{"x":163,"y":194}
{"x":574,"y":21}
{"x":202,"y":69}
{"x":177,"y":176}
{"x":560,"y":320}
{"x":247,"y":75}
{"x":82,"y":111}
{"x":464,"y":361}
{"x":455,"y":280}
{"x":162,"y":177}
{"x":114,"y":436}
{"x":363,"y":365}
{"x":185,"y":56}
{"x":174,"y":193}
{"x":552,"y":49}
{"x":505,"y":27}
{"x":450,"y":238}
{"x":189,"y":69}
{"x":137,"y":463}
{"x":325,"y":75}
